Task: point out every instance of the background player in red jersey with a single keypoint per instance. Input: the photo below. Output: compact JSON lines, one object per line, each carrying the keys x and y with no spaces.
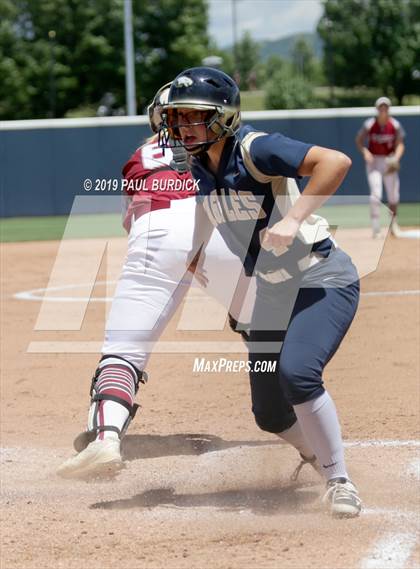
{"x":384,"y":136}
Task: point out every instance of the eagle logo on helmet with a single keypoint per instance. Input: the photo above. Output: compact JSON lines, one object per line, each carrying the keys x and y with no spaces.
{"x":184,"y":82}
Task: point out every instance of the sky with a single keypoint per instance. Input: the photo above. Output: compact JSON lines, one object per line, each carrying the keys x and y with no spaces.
{"x":265,"y":19}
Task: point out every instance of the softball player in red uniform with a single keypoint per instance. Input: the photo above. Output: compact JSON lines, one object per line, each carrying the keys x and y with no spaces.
{"x":384,"y":136}
{"x":159,"y":219}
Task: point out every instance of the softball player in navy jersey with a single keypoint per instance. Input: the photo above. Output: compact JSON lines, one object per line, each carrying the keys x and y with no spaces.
{"x":307,"y":288}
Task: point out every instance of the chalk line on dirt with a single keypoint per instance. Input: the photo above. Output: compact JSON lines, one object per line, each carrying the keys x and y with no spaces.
{"x":391,"y":551}
{"x":391,"y":293}
{"x":413,"y":468}
{"x":38,"y":294}
{"x":382,"y":443}
{"x":392,"y":514}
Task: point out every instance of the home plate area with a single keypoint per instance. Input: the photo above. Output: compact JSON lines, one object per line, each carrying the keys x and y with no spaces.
{"x":199,"y":500}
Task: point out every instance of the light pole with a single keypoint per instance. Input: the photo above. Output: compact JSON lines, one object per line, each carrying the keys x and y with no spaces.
{"x":130,"y":82}
{"x":330,"y":61}
{"x":235,"y":39}
{"x":51,"y":38}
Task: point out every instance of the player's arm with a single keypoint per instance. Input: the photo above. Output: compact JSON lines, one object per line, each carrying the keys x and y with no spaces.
{"x":327,"y":169}
{"x":277,"y":155}
{"x":393,"y":160}
{"x":203,"y":230}
{"x":361,"y":140}
{"x":127,"y":196}
{"x":399,"y":149}
{"x":361,"y":145}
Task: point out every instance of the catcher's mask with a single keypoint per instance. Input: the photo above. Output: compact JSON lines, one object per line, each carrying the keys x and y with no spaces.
{"x":200,"y":96}
{"x":154,"y":110}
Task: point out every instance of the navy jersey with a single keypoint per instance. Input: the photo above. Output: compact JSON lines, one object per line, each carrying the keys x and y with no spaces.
{"x":253,"y":189}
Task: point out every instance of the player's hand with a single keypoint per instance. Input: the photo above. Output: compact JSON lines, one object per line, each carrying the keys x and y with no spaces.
{"x":392,"y":164}
{"x":281,"y":235}
{"x":368,"y":156}
{"x":194,"y":265}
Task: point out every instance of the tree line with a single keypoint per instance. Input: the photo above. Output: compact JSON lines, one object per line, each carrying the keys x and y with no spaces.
{"x":63,"y":57}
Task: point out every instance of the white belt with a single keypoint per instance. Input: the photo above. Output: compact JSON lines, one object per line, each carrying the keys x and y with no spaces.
{"x":281,"y":275}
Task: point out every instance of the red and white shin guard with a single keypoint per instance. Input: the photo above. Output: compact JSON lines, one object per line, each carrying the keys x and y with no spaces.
{"x":114,"y":386}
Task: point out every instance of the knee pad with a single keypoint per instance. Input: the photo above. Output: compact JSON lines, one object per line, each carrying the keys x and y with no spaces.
{"x":138,"y":376}
{"x":88,"y":436}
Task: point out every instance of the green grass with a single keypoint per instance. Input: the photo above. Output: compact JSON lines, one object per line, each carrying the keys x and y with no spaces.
{"x":343,"y":97}
{"x":109,"y":225}
{"x":252,"y":100}
{"x":358,"y":215}
{"x":411,"y":100}
{"x":409,"y":214}
{"x":54,"y":228}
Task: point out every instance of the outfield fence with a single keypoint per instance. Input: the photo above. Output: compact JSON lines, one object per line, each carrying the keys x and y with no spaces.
{"x":44,"y":163}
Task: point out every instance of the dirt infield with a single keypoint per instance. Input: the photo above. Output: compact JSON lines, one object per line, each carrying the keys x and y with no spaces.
{"x":203,"y":486}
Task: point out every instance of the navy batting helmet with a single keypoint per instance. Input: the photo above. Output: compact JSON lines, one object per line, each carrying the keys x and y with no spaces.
{"x":208,"y":90}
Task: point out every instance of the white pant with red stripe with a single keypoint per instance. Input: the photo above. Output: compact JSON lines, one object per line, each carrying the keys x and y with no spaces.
{"x":154,"y":280}
{"x":377,"y":179}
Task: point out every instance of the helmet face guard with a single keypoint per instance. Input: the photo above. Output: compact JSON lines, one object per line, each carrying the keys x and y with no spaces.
{"x":213,"y":120}
{"x":154,"y":110}
{"x":170,"y":133}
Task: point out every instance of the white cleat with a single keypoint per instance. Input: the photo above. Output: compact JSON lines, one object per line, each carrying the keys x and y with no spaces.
{"x":343,"y":498}
{"x":395,"y":229}
{"x":100,"y":459}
